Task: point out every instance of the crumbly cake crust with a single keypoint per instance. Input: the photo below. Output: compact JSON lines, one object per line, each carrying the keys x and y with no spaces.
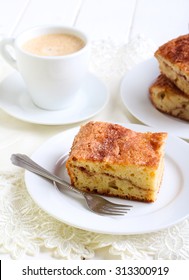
{"x":173,"y":58}
{"x":176,"y":52}
{"x":112,"y":160}
{"x":113,"y":143}
{"x":164,"y":83}
{"x":169,"y":99}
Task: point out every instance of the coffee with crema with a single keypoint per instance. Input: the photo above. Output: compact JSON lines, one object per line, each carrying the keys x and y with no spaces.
{"x":54,"y":44}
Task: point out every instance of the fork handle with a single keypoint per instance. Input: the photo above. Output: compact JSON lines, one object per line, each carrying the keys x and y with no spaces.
{"x":27,"y":163}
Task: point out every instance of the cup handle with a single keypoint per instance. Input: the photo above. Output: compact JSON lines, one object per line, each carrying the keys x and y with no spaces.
{"x":6,"y":45}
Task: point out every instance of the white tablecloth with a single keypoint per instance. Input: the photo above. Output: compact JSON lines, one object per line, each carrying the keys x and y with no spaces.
{"x":28,"y":232}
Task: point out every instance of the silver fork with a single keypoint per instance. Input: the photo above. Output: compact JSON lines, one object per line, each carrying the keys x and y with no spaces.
{"x":94,"y":202}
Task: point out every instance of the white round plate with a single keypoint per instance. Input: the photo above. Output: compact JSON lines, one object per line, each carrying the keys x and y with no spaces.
{"x":135,"y":96}
{"x":171,"y":206}
{"x":15,"y":101}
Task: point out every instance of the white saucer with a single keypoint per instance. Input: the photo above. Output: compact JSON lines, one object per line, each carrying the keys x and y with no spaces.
{"x":15,"y":101}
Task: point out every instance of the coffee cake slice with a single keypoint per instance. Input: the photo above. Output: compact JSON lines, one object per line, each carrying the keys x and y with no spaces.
{"x":112,"y":160}
{"x":173,"y":58}
{"x":169,"y":99}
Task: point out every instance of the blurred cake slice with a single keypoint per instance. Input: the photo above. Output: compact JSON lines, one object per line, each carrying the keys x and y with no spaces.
{"x":167,"y":98}
{"x":112,"y":160}
{"x":173,"y":58}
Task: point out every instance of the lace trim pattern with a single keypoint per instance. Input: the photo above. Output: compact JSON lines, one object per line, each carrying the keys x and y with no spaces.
{"x":25,"y":228}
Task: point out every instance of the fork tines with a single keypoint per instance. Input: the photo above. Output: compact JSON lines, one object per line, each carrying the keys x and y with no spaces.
{"x":115,"y":209}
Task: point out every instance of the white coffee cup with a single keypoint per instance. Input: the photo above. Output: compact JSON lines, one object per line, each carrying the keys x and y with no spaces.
{"x":53,"y":82}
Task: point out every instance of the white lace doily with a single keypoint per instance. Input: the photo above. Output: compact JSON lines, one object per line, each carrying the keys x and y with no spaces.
{"x":25,"y":229}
